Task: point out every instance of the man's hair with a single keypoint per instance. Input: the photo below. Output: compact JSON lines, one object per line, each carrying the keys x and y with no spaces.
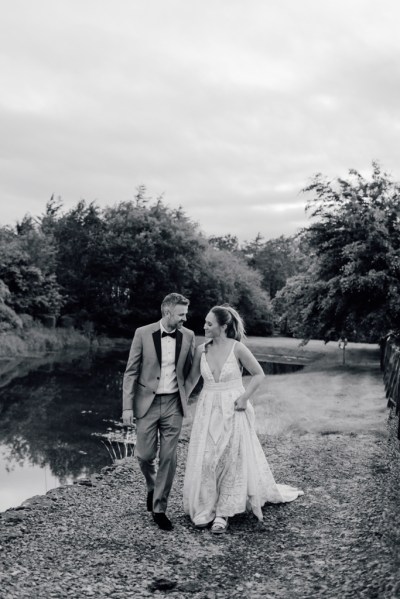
{"x":173,"y":299}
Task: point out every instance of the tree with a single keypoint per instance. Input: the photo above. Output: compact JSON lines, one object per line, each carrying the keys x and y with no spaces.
{"x":226,"y":278}
{"x":276,"y":260}
{"x":225,"y":242}
{"x":113,"y":266}
{"x":147,"y":251}
{"x":352,"y":286}
{"x":9,"y":319}
{"x":26,"y":270}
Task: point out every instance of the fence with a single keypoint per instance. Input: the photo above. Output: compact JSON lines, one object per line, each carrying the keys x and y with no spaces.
{"x":390,"y":364}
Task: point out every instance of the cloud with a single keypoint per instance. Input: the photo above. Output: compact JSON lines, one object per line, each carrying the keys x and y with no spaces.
{"x":224,"y":107}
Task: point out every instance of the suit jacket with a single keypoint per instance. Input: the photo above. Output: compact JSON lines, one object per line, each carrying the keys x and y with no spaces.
{"x":143,"y":370}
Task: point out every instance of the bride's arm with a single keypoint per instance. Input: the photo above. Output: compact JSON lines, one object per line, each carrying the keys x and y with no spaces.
{"x":246,"y":358}
{"x":194,"y":373}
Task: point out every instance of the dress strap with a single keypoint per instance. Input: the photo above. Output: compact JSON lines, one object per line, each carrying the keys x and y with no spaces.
{"x":236,"y":360}
{"x":232,"y":348}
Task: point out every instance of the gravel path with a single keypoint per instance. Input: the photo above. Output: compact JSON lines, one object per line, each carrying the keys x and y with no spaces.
{"x":340,"y":540}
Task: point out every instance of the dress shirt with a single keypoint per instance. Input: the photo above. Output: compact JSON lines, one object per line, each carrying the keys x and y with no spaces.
{"x":168,"y":381}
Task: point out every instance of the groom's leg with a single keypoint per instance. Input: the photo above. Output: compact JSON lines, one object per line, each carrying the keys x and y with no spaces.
{"x":170,"y":425}
{"x":146,"y":443}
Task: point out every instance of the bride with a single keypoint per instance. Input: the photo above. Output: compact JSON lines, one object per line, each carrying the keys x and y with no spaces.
{"x":226,"y":471}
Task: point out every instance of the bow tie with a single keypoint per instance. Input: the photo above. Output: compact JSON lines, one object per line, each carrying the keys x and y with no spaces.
{"x":165,"y":334}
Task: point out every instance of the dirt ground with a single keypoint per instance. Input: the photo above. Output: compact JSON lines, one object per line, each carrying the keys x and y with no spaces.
{"x":325,"y":429}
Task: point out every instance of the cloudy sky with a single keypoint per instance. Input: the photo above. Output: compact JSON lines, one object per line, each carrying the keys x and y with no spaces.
{"x":227,"y":107}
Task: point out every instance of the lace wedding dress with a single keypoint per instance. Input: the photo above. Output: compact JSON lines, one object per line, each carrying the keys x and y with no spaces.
{"x":227,"y":472}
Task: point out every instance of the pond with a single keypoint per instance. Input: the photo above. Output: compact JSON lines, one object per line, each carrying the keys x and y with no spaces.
{"x":57,"y":417}
{"x":50,"y":419}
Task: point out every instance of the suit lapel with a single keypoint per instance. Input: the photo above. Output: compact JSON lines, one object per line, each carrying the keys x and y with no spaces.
{"x":157,"y":343}
{"x":178,"y":345}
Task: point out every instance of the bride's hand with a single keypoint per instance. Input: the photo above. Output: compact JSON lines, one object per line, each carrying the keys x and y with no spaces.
{"x":240,"y":404}
{"x":127,"y":417}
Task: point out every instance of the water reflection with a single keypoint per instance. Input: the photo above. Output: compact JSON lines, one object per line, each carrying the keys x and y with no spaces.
{"x":21,"y":481}
{"x":48,"y":417}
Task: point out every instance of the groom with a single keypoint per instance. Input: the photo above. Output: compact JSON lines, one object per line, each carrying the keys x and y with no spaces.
{"x":153,"y":390}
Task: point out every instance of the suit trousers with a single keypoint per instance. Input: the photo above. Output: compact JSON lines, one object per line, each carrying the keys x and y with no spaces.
{"x":160,"y":426}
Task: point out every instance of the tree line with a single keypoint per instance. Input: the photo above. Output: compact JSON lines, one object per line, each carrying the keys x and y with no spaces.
{"x":112,"y":266}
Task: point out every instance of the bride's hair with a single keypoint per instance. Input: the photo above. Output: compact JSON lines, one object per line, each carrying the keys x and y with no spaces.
{"x":227,"y":315}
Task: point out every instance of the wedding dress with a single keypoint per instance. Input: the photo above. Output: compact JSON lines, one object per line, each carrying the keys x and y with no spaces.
{"x":227,"y":472}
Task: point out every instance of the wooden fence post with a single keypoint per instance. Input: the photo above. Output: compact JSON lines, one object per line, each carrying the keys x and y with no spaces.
{"x":390,"y":363}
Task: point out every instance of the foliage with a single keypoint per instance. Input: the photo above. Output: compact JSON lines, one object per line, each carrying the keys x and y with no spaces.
{"x":352,"y":286}
{"x":79,"y":270}
{"x":147,"y":251}
{"x":115,"y":265}
{"x":276,"y":260}
{"x":26,"y":260}
{"x":271,"y":263}
{"x":226,"y":278}
{"x":224,"y":242}
{"x":8,"y":318}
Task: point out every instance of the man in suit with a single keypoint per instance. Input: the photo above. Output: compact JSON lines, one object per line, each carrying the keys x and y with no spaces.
{"x":154,"y":392}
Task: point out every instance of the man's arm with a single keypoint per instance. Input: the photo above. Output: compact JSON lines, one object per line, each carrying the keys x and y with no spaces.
{"x":131,"y":375}
{"x":194,"y":374}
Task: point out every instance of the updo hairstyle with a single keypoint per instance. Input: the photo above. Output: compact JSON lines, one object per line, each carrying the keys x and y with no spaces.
{"x":228,"y":315}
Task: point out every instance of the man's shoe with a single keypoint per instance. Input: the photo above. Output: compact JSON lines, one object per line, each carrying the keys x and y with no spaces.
{"x":149,"y":501}
{"x":162,"y":520}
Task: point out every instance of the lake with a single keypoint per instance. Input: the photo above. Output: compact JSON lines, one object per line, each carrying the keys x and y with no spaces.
{"x":58,"y":417}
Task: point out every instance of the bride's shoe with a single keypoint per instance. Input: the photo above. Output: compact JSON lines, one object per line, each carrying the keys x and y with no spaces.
{"x":220,"y":525}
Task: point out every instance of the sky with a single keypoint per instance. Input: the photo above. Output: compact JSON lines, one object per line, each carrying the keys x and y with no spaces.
{"x":224,"y":107}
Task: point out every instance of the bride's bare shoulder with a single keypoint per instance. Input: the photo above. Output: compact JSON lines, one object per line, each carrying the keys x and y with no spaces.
{"x":241,"y":349}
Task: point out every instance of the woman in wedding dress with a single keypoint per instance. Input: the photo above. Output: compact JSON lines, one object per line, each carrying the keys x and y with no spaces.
{"x":226,"y":471}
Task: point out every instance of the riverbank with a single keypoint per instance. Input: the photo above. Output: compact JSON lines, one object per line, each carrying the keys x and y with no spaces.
{"x":324,"y":428}
{"x":40,"y":340}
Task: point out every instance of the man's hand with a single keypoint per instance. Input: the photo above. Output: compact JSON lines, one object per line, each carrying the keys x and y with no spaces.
{"x":127,"y":417}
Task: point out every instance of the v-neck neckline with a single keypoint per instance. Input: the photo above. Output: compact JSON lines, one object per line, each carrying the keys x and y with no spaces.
{"x":223,"y":365}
